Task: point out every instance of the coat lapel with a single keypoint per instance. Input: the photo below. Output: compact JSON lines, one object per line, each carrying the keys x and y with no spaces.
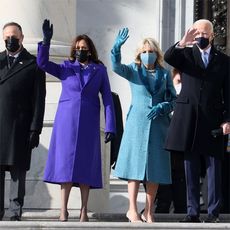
{"x":93,"y":68}
{"x":197,"y":57}
{"x":143,"y":77}
{"x":158,"y":79}
{"x":20,"y":63}
{"x":77,"y":71}
{"x":212,"y":58}
{"x":3,"y":65}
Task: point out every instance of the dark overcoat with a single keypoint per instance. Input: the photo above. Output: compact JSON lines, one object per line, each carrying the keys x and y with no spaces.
{"x":22,"y":102}
{"x":116,"y":141}
{"x":203,"y":103}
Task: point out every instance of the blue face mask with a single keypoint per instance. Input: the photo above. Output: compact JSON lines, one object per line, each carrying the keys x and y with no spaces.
{"x":148,"y":58}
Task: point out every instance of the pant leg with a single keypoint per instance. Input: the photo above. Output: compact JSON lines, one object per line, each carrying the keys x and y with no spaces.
{"x":179,"y":193}
{"x":17,"y":191}
{"x":2,"y":192}
{"x":178,"y":182}
{"x":192,"y":175}
{"x":214,"y":185}
{"x":163,"y":198}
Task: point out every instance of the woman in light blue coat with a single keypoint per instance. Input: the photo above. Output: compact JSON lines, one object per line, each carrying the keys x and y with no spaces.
{"x":141,"y":155}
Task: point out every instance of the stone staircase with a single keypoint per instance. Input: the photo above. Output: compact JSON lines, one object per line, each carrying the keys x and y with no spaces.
{"x":48,"y":219}
{"x":112,"y":218}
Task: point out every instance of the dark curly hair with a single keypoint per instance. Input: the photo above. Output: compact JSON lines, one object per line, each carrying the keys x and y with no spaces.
{"x":93,"y":57}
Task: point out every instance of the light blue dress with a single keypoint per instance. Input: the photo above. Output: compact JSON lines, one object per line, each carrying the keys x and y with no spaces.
{"x":141,"y":155}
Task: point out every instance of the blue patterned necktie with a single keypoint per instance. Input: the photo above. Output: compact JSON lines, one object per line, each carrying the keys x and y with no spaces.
{"x":205,"y":58}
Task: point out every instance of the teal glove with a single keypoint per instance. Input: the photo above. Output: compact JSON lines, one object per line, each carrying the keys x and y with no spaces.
{"x":121,"y":38}
{"x":155,"y":112}
{"x":160,"y":109}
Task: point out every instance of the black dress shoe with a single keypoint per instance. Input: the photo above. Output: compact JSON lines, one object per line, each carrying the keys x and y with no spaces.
{"x":15,"y":218}
{"x":212,"y":219}
{"x":191,"y":219}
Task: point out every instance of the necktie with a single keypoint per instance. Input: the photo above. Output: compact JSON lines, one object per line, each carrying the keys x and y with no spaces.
{"x":11,"y":60}
{"x":205,"y":58}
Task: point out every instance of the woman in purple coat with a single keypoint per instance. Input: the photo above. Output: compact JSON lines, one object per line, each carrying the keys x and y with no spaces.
{"x":74,"y":157}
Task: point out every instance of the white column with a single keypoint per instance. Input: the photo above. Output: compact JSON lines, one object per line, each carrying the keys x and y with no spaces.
{"x":30,"y":15}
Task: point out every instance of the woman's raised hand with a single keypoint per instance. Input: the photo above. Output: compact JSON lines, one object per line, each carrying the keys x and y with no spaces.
{"x":121,"y":38}
{"x":47,"y":30}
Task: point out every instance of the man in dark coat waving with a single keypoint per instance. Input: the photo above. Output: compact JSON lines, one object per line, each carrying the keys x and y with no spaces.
{"x":202,"y":114}
{"x":22,"y":102}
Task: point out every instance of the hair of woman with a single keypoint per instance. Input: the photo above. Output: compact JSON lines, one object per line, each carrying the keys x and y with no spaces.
{"x":154,"y":46}
{"x":92,"y":49}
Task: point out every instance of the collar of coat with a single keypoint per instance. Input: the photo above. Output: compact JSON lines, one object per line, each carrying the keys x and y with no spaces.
{"x":76,"y":64}
{"x":159,"y":77}
{"x":198,"y":59}
{"x":23,"y":60}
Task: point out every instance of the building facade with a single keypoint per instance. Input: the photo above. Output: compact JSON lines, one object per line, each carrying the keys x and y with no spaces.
{"x":165,"y":20}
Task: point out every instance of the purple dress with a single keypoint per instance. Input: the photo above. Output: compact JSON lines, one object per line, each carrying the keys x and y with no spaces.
{"x":75,"y":149}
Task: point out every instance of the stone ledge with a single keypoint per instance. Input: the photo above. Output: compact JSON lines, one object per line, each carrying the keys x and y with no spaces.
{"x":53,"y":215}
{"x":48,"y":219}
{"x":105,"y":225}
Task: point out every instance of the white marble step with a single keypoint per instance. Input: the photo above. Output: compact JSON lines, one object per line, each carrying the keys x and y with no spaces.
{"x":48,"y":219}
{"x":53,"y":215}
{"x":29,"y":225}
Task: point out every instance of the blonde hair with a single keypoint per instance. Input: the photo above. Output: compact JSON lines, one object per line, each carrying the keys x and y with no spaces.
{"x":154,"y":46}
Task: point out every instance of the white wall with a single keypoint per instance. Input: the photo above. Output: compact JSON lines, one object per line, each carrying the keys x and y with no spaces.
{"x":101,"y":20}
{"x":165,"y":20}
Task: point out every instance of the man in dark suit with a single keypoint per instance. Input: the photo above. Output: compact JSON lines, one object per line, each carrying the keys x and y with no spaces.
{"x":202,"y":106}
{"x":22,"y":102}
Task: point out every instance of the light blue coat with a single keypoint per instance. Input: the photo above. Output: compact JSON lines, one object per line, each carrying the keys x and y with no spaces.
{"x":141,"y":155}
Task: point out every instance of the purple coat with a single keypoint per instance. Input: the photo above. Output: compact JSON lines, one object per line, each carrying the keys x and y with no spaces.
{"x":75,"y":148}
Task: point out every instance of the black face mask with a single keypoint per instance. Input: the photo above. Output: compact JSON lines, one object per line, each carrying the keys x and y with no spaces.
{"x":12,"y":44}
{"x":202,"y":42}
{"x":82,"y":55}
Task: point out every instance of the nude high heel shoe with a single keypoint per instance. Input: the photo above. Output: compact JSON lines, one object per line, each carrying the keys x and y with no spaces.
{"x":83,"y":216}
{"x":64,"y":217}
{"x":132,"y":221}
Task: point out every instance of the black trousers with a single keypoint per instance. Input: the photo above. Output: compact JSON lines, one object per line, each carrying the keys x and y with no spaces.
{"x":17,"y":191}
{"x":175,"y":193}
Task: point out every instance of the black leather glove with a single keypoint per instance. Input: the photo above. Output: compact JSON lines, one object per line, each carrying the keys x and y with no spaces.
{"x":47,"y":29}
{"x":109,"y":136}
{"x":34,"y":139}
